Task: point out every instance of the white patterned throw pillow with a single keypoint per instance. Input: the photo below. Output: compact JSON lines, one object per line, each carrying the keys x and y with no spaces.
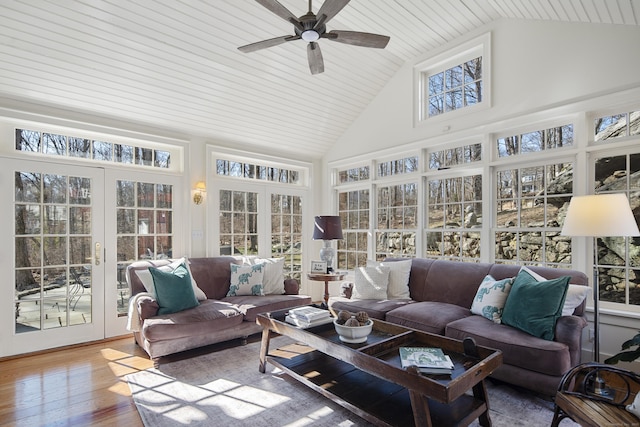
{"x":246,"y":280}
{"x":371,"y":283}
{"x":491,"y":297}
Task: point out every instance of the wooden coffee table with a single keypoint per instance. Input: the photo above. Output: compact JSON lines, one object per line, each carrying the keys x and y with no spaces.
{"x":368,"y":380}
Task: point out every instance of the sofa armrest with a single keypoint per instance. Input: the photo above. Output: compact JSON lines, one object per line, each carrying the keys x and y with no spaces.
{"x":569,"y":332}
{"x":291,"y":287}
{"x":147,"y":307}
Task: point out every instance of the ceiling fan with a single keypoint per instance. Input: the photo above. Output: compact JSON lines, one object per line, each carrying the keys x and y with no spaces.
{"x":311,"y":28}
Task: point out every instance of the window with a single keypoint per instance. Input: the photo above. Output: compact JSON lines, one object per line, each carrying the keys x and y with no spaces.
{"x":618,"y":261}
{"x":398,"y":166}
{"x":454,"y":218}
{"x":82,"y":148}
{"x":397,"y":220}
{"x":250,"y":170}
{"x":617,"y":126}
{"x":536,"y":141}
{"x":530,"y":206}
{"x":353,"y":208}
{"x":454,"y":88}
{"x":455,"y":80}
{"x":444,"y":159}
{"x":259,"y":207}
{"x":353,"y":174}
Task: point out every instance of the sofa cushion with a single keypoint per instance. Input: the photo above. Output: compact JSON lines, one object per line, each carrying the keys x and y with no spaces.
{"x":246,"y":280}
{"x":251,"y":306}
{"x":427,"y":316}
{"x":399,"y":272}
{"x":371,"y":283}
{"x":173,"y":289}
{"x":376,"y":309}
{"x":535,"y":307}
{"x":518,"y":347}
{"x":491,"y":297}
{"x":208,"y":317}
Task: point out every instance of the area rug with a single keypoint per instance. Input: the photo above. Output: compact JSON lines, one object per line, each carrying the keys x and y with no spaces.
{"x":224,"y":388}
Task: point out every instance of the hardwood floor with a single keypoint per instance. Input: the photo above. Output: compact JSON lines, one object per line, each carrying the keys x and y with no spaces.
{"x":78,"y":386}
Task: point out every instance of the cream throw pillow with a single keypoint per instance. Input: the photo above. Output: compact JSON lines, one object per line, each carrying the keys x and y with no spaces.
{"x":399,"y":272}
{"x":371,"y":283}
{"x":575,"y":294}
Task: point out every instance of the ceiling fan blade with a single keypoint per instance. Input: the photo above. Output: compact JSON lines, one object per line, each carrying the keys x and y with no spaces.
{"x":316,"y":64}
{"x":267,"y":43}
{"x":329,"y":9}
{"x":284,"y":13}
{"x":357,"y":38}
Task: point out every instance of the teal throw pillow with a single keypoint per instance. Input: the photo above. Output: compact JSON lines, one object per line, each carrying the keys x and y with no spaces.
{"x":174,"y":291}
{"x":534,"y":307}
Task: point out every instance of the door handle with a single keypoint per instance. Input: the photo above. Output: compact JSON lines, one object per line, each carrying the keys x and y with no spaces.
{"x":97,"y":254}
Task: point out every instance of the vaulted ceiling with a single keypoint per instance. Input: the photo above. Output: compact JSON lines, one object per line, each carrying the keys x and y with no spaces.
{"x":174,"y":64}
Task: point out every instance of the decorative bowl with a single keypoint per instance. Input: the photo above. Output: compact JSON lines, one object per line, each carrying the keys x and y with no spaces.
{"x":353,"y":334}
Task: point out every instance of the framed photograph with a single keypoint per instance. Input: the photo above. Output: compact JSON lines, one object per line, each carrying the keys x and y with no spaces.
{"x":319,"y":267}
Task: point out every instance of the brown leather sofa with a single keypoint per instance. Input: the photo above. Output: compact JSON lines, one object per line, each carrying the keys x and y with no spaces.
{"x":442,"y":293}
{"x":216,"y":319}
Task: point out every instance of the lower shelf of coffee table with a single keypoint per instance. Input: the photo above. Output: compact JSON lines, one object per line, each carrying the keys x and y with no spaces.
{"x":378,"y":401}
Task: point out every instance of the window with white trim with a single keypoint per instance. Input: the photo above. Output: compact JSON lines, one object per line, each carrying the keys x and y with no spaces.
{"x":455,"y":80}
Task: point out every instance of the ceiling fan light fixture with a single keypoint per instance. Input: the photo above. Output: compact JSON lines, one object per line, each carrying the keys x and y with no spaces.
{"x":310,"y":35}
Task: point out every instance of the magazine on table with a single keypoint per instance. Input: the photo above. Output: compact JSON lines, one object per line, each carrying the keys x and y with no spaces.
{"x":428,"y":360}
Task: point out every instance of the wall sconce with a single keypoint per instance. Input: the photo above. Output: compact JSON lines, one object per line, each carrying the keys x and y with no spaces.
{"x":198,"y":192}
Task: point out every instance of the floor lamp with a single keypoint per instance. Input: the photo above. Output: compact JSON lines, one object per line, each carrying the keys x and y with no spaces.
{"x":600,"y":215}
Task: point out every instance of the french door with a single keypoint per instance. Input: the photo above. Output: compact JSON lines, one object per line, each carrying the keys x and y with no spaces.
{"x":52,"y":256}
{"x":69,"y":233}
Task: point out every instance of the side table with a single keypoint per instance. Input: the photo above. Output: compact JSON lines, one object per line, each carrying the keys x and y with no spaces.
{"x":326,"y":278}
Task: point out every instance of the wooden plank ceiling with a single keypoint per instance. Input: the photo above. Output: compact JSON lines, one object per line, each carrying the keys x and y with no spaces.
{"x":174,"y":64}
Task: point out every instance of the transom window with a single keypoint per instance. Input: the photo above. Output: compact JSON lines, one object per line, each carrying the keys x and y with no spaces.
{"x":536,"y":141}
{"x":251,"y":170}
{"x":617,"y":126}
{"x":51,"y":144}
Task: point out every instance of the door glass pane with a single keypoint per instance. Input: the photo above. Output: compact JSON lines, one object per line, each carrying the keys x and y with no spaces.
{"x":145,"y":229}
{"x":53,"y":251}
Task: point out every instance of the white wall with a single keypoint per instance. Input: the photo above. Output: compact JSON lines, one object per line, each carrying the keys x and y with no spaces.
{"x":536,"y":66}
{"x":540,"y":71}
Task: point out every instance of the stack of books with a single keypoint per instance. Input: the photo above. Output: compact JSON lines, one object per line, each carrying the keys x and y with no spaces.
{"x":428,"y":360}
{"x":306,"y":317}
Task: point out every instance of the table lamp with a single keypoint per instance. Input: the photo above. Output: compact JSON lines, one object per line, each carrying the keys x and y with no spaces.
{"x":600,"y":215}
{"x":327,"y":228}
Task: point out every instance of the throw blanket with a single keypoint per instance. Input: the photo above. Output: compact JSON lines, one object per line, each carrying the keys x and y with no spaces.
{"x":133,"y":322}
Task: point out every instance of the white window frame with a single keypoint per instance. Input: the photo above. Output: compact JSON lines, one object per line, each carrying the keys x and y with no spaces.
{"x":477,"y":47}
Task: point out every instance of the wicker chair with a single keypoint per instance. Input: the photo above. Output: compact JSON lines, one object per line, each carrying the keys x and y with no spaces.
{"x":593,"y":394}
